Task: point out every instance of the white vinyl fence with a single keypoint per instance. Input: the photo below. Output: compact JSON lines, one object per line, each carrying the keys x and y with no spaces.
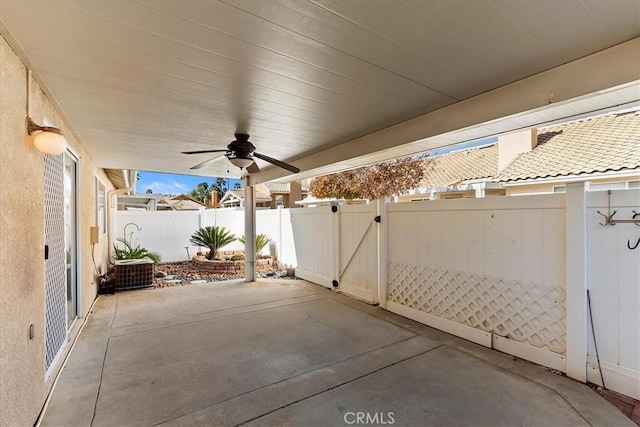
{"x":614,"y":284}
{"x":510,"y":273}
{"x":164,"y":232}
{"x":168,"y":232}
{"x":490,"y":270}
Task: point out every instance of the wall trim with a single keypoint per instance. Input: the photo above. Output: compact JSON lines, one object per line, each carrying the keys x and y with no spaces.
{"x":314,"y":277}
{"x":618,"y":378}
{"x":454,"y":328}
{"x":530,"y":353}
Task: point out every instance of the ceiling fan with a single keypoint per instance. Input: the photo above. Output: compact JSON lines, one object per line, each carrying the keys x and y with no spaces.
{"x":240,"y":153}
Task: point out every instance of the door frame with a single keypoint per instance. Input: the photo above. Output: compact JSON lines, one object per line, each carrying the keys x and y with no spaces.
{"x":76,"y":237}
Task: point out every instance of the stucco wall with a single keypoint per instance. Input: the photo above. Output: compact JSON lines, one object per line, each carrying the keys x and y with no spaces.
{"x":513,"y":144}
{"x":23,"y":386}
{"x":531,"y":189}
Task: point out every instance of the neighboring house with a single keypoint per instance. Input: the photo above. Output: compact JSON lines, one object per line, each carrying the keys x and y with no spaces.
{"x":605,"y":150}
{"x":270,"y":194}
{"x":140,"y":202}
{"x":235,"y":198}
{"x":158,"y":202}
{"x":285,"y":194}
{"x":181,"y":202}
{"x":459,"y":174}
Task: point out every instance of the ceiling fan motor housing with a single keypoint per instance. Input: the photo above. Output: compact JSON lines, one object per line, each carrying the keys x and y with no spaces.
{"x":241,"y":147}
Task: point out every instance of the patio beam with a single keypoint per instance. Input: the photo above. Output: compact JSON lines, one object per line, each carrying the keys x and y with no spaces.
{"x":593,"y":74}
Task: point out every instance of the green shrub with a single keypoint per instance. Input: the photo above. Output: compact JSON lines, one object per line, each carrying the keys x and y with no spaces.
{"x":262,"y":240}
{"x":237,"y":257}
{"x":131,"y":252}
{"x":213,"y":238}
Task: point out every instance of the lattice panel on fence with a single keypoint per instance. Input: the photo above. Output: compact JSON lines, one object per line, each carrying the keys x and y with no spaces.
{"x":526,"y":312}
{"x":55,"y":281}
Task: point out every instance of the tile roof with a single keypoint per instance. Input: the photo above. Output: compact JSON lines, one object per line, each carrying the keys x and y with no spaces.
{"x":185,"y":204}
{"x":260,"y":197}
{"x":456,"y":166}
{"x":282,"y":187}
{"x":277,"y":187}
{"x":181,"y":202}
{"x":599,"y":144}
{"x":186,"y":197}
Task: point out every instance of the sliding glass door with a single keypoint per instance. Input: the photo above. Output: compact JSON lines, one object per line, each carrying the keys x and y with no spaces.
{"x":70,"y":237}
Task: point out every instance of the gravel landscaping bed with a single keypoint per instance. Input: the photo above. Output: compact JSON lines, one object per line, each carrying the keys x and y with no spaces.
{"x":184,"y":273}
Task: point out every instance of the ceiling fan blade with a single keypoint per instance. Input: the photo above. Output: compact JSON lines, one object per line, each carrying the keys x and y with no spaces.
{"x":278,"y":163}
{"x":213,"y":159}
{"x":203,"y":151}
{"x":252,"y":168}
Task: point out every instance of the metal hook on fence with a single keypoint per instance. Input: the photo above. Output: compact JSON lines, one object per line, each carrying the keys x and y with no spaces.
{"x":608,"y":219}
{"x":634,"y":246}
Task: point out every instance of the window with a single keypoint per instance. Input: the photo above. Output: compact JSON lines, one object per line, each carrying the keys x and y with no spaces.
{"x":634,"y":184}
{"x":101,"y":211}
{"x":559,"y":189}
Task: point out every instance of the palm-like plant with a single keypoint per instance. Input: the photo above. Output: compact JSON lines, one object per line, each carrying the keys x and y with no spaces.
{"x":133,"y":252}
{"x":262,"y":240}
{"x":213,"y":238}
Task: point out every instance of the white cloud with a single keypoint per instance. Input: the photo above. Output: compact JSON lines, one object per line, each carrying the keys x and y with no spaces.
{"x":159,"y":187}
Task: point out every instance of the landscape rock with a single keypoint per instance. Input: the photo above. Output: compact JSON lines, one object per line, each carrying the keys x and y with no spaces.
{"x":185,"y":273}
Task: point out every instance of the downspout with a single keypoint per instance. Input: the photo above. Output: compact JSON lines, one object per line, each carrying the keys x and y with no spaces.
{"x":112,"y":206}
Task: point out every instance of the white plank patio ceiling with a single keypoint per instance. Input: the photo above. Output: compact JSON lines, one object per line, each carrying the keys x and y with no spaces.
{"x":142,"y":81}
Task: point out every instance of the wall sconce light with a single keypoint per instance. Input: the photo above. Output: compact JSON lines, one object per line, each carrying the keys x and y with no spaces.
{"x":48,"y":140}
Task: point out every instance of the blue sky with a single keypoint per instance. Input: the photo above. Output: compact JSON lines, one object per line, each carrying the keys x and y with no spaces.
{"x":464,"y":145}
{"x":165,"y":183}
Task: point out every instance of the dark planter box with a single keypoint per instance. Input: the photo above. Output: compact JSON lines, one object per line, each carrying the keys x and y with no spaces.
{"x":134,"y":274}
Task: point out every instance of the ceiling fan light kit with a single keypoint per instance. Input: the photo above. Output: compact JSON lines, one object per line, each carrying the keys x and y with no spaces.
{"x":241,"y":153}
{"x":241,"y":162}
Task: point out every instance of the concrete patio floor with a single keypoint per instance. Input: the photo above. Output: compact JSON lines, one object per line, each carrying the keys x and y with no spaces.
{"x":292,"y":353}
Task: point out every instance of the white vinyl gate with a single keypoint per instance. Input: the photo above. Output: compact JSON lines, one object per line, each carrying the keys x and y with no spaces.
{"x":337,"y":246}
{"x":314,"y":231}
{"x":358,"y":251}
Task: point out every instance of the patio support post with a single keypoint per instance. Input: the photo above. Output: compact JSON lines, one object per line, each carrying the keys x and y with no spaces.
{"x":576,"y":281}
{"x":249,"y":232}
